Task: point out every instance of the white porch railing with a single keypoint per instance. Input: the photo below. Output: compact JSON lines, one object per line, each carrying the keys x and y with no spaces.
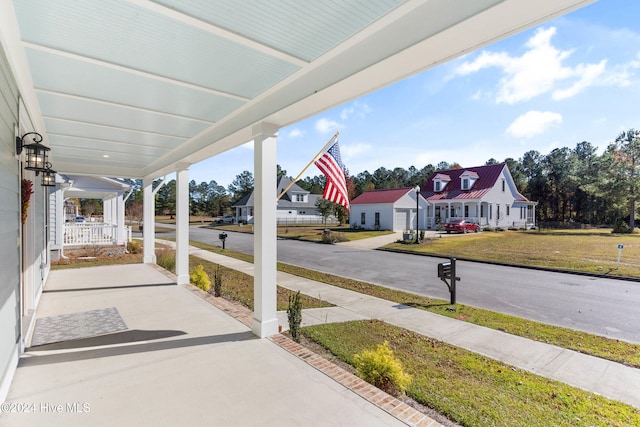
{"x":92,"y":234}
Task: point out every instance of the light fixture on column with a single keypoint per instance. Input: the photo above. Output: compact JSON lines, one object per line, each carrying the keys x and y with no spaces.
{"x":48,"y":177}
{"x":36,"y":153}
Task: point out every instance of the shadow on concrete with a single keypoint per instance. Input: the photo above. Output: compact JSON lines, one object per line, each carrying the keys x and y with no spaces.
{"x":102,"y":288}
{"x":36,"y":360}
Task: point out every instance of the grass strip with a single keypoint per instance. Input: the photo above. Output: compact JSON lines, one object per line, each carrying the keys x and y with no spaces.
{"x":471,"y":389}
{"x":583,"y":342}
{"x":238,"y":286}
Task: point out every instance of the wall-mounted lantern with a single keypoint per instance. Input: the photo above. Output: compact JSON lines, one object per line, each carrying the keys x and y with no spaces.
{"x":36,"y":156}
{"x":49,"y":177}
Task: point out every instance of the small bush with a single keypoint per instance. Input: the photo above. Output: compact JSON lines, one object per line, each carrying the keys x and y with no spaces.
{"x":166,"y":258}
{"x":331,"y":237}
{"x":621,"y":227}
{"x":200,"y":278}
{"x":380,"y":368}
{"x":294,"y":315}
{"x":134,"y":247}
{"x":217,"y":282}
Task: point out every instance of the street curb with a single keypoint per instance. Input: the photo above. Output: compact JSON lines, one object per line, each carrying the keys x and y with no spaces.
{"x":529,"y":267}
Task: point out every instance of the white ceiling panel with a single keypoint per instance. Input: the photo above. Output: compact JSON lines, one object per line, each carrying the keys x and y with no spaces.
{"x":64,"y":75}
{"x":132,"y":88}
{"x":99,"y":112}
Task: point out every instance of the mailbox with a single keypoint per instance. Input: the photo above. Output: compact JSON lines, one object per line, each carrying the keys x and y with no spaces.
{"x":222,"y":236}
{"x":444,"y":270}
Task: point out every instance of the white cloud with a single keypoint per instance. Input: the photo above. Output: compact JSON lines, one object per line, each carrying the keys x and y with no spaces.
{"x":537,"y":71}
{"x":295,"y":133}
{"x":357,"y":108}
{"x":325,"y":125}
{"x":533,"y":123}
{"x":354,"y":150}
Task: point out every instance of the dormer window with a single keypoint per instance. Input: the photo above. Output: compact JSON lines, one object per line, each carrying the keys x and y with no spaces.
{"x":467,"y":179}
{"x":440,"y":181}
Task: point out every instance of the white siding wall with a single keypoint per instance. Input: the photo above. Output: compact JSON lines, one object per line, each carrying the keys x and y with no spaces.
{"x":497,"y":197}
{"x":10,"y":219}
{"x":386,"y":216}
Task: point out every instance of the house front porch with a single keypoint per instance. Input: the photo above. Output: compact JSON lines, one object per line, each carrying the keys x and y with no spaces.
{"x":164,"y":356}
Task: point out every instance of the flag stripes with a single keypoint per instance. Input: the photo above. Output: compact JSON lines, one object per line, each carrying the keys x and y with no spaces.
{"x":330,"y":164}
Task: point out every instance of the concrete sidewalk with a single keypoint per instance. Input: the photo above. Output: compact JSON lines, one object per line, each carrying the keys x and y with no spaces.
{"x":178,"y":360}
{"x":600,"y":376}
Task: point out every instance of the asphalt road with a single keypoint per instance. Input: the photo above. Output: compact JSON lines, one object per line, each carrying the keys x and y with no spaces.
{"x":602,"y":306}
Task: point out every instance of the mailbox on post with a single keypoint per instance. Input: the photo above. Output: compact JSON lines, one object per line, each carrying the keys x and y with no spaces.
{"x":447,"y":273}
{"x":222,"y":236}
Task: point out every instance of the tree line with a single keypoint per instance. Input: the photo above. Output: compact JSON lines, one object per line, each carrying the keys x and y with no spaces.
{"x":570,"y":184}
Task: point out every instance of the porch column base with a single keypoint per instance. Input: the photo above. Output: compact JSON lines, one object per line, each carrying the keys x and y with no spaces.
{"x":264,"y":328}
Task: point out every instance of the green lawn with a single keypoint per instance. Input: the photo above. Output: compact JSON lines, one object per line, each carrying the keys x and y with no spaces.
{"x":594,"y":251}
{"x":471,"y":389}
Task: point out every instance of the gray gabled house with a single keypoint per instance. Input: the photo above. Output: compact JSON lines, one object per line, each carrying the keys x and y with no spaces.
{"x":296,"y":206}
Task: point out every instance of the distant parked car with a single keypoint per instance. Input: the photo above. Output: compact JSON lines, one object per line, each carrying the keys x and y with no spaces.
{"x":460,"y":225}
{"x":80,"y":219}
{"x":228,"y":219}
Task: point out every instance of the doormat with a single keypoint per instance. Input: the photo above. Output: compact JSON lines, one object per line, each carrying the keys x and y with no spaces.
{"x":75,"y":326}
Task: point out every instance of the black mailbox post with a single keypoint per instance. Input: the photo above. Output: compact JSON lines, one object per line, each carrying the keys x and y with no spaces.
{"x":222,"y":236}
{"x":447,"y":273}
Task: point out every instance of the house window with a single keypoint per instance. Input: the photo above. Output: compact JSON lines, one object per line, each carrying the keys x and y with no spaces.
{"x":438,"y":185}
{"x":481,"y":211}
{"x":377,"y":219}
{"x":465,"y":183}
{"x":363,"y":218}
{"x":250,"y":211}
{"x":503,"y":185}
{"x":299,"y":197}
{"x":498,"y":212}
{"x":507,"y":206}
{"x":490,"y":211}
{"x":466,"y":211}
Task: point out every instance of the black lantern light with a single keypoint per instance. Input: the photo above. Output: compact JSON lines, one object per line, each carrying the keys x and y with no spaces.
{"x":36,"y":153}
{"x":48,"y":177}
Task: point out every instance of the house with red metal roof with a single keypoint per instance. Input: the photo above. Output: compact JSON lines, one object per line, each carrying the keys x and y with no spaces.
{"x":486,"y":195}
{"x":393,"y":209}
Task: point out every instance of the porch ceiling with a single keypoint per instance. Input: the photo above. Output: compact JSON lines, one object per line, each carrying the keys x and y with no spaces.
{"x":131,"y":88}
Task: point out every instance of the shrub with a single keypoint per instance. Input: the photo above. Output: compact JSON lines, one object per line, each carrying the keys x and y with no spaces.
{"x":200,"y":278}
{"x":134,"y":247}
{"x":294,"y":315}
{"x":166,"y":258}
{"x":217,"y":282}
{"x":621,"y":227}
{"x":421,"y":234}
{"x":380,"y":368}
{"x":331,"y":237}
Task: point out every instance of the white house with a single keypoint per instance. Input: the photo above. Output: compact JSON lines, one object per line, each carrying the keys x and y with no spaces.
{"x":486,"y":195}
{"x":393,"y":209}
{"x":296,"y":206}
{"x":65,"y":232}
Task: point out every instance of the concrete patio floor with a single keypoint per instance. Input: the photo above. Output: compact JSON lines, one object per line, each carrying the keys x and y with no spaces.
{"x":181,"y":361}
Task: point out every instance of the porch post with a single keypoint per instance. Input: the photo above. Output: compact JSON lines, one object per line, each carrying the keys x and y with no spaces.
{"x":148,"y":223}
{"x":265,"y":322}
{"x":182,"y":225}
{"x":120,"y":233}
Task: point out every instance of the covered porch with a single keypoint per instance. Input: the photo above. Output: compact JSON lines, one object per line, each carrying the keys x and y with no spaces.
{"x":166,"y":357}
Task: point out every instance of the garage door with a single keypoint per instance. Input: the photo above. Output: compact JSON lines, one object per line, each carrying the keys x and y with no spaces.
{"x":400,"y":220}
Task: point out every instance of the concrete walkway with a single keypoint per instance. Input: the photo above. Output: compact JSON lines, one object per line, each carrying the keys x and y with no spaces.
{"x":178,"y":361}
{"x":600,"y":376}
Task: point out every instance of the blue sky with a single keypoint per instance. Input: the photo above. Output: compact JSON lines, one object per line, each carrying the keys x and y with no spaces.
{"x":573,"y":79}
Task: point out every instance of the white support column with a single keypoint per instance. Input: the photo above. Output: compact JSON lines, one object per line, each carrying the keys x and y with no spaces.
{"x":265,"y":322}
{"x":149,"y":223}
{"x":182,"y":224}
{"x":122,"y":235}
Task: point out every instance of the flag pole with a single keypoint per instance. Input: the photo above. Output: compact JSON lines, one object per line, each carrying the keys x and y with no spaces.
{"x":308,"y":164}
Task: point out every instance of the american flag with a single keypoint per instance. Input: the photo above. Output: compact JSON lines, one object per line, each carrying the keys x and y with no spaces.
{"x":330,"y":164}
